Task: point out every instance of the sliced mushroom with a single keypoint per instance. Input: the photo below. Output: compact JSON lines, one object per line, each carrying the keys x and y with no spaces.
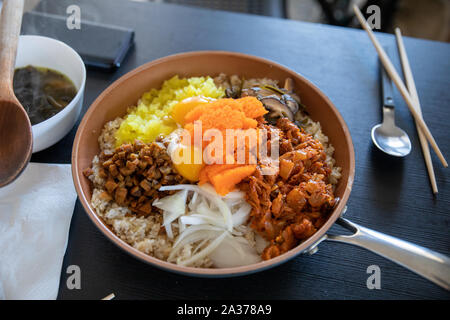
{"x":282,"y":102}
{"x":290,"y":103}
{"x":234,"y":91}
{"x":295,"y":97}
{"x":232,"y":85}
{"x":277,"y":108}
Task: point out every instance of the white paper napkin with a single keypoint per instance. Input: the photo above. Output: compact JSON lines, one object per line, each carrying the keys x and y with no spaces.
{"x":35,"y":214}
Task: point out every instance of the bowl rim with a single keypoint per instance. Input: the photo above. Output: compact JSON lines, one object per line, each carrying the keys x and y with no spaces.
{"x":60,"y":115}
{"x":210,"y":272}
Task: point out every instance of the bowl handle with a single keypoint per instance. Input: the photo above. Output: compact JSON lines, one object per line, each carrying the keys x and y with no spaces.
{"x":425,"y":262}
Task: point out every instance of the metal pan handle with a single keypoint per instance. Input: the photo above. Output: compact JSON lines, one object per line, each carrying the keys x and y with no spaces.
{"x":425,"y":262}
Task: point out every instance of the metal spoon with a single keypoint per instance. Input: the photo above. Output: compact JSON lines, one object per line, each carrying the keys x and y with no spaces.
{"x":15,"y":127}
{"x":387,"y":136}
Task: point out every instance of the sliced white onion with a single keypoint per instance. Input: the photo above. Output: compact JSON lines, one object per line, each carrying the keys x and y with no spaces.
{"x":232,"y":202}
{"x":206,"y":251}
{"x":242,"y":214}
{"x":200,"y":245}
{"x":233,"y":252}
{"x":168,"y":228}
{"x":173,"y":207}
{"x":260,"y":243}
{"x":193,"y":202}
{"x":174,"y":203}
{"x":214,"y":198}
{"x":235,"y":242}
{"x":236,"y":194}
{"x":203,"y":208}
{"x":239,"y":195}
{"x":237,"y":233}
{"x":213,"y":224}
{"x":192,"y":238}
{"x":181,"y":225}
{"x":207,"y":187}
{"x":192,"y":229}
{"x":194,"y":219}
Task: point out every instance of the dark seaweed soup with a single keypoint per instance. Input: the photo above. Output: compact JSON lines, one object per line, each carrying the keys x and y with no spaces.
{"x":42,"y":92}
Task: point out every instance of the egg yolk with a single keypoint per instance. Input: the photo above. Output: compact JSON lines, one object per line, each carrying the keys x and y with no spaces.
{"x":185,"y":161}
{"x":182,"y":108}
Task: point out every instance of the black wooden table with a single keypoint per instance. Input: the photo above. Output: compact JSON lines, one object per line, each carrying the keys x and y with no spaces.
{"x":389,"y":195}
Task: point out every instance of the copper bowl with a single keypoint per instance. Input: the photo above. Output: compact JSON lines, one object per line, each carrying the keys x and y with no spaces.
{"x":124,"y":92}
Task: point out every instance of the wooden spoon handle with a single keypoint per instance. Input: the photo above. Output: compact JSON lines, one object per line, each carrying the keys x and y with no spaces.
{"x":10,"y":22}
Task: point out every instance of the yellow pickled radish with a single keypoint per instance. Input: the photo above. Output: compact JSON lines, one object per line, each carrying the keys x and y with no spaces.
{"x":183,"y":107}
{"x":188,"y":161}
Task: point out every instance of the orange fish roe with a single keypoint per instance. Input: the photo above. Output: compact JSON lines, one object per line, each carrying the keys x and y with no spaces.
{"x":252,"y":107}
{"x":223,"y":114}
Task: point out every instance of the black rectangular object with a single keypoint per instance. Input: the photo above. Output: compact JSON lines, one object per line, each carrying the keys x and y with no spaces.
{"x":99,"y":45}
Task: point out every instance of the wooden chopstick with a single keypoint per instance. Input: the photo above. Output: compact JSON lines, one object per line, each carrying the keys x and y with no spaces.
{"x":400,"y":85}
{"x":413,"y":93}
{"x":109,"y":296}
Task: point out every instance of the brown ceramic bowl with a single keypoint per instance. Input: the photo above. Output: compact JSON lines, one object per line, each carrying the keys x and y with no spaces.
{"x":124,"y":92}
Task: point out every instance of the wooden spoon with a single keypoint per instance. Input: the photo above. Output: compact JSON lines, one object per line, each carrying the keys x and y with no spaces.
{"x":16,"y":138}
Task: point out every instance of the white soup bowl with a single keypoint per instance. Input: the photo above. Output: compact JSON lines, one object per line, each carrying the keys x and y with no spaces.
{"x":49,"y":53}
